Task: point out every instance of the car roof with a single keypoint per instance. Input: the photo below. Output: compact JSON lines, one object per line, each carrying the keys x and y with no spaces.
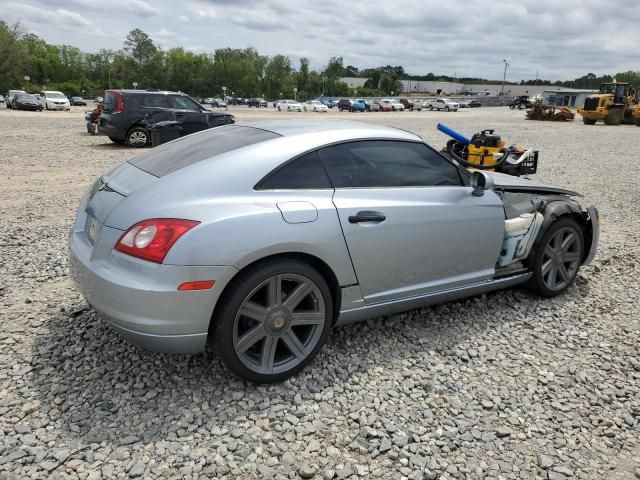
{"x":289,"y":128}
{"x":146,"y":92}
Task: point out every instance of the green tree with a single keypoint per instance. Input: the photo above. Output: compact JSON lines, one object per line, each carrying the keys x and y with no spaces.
{"x":11,"y":56}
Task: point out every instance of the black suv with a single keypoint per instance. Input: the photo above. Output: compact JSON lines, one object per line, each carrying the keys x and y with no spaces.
{"x":344,"y":104}
{"x":257,"y":102}
{"x":127,"y":115}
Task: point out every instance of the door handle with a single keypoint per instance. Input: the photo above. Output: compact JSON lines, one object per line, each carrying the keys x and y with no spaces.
{"x":367,"y":216}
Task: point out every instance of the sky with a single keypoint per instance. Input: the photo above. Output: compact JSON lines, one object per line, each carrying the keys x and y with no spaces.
{"x":555,"y":39}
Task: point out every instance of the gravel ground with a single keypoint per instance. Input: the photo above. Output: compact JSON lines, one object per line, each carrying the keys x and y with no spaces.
{"x":504,"y":385}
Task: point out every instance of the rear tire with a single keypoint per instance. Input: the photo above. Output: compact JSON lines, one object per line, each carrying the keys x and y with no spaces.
{"x":137,"y":137}
{"x":431,"y":107}
{"x":588,"y":121}
{"x":555,"y":260}
{"x":264,"y":344}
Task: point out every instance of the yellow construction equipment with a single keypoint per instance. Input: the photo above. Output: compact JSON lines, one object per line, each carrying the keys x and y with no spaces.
{"x":614,"y":104}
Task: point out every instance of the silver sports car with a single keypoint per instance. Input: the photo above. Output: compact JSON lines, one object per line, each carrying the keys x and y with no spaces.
{"x":259,"y":239}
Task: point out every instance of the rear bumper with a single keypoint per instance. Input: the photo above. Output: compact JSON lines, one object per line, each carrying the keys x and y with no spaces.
{"x":141,"y":299}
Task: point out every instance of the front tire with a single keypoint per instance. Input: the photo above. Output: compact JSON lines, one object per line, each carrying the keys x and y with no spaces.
{"x":431,"y":108}
{"x":556,"y":259}
{"x":272,"y":320}
{"x":137,"y":137}
{"x":588,"y":121}
{"x":446,"y":109}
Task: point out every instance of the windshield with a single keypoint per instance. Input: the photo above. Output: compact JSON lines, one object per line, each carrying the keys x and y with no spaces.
{"x":54,"y":95}
{"x":25,"y":96}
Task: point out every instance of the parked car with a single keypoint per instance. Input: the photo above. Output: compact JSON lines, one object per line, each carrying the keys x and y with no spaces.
{"x":54,"y":100}
{"x":395,"y":105}
{"x":367,"y":103}
{"x":384,"y":106}
{"x":470,"y":104}
{"x":208,"y":101}
{"x":2,"y":99}
{"x":218,"y":103}
{"x":374,"y":106}
{"x":257,"y":102}
{"x":358,"y":106}
{"x":328,"y":101}
{"x":77,"y":101}
{"x":25,"y":101}
{"x":315,"y":106}
{"x":289,"y":106}
{"x":344,"y":104}
{"x":128,"y":114}
{"x":441,"y":104}
{"x":10,"y":96}
{"x":410,"y":105}
{"x":380,"y":224}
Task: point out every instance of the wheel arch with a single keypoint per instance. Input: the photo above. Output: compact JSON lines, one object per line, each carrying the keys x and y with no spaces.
{"x":561,"y":208}
{"x":313,"y":261}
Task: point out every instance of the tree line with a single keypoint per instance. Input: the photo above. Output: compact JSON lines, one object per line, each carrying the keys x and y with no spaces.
{"x":242,"y":72}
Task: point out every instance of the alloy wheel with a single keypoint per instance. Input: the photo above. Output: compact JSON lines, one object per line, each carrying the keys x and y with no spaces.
{"x":279,"y":324}
{"x":138,"y":138}
{"x":561,"y":259}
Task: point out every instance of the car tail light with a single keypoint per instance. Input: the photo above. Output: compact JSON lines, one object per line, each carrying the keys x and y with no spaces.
{"x":119,"y":103}
{"x":152,"y":239}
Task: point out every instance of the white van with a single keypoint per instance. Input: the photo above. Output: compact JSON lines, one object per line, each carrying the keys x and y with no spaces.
{"x":53,"y":100}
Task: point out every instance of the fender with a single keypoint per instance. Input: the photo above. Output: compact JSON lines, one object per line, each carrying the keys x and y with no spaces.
{"x":556,"y":208}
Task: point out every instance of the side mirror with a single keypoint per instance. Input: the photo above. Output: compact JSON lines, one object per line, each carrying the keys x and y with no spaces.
{"x":481,"y":181}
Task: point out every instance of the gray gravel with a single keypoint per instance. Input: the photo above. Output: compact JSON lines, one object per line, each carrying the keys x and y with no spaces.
{"x":504,"y":385}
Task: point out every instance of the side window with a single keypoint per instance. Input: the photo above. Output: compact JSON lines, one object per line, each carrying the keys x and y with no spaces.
{"x":184,"y":103}
{"x":305,"y":172}
{"x":387,"y":163}
{"x":155,"y":101}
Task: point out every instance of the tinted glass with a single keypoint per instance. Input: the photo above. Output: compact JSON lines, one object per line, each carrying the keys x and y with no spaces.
{"x":109,"y":103}
{"x":385,"y":163}
{"x":157,"y":101}
{"x":190,"y":150}
{"x":305,"y":172}
{"x":185,"y":103}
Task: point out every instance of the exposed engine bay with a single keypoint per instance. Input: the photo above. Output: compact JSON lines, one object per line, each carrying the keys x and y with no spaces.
{"x":525,"y":216}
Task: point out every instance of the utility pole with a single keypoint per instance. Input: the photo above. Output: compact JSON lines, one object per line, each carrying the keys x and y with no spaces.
{"x":504,"y":76}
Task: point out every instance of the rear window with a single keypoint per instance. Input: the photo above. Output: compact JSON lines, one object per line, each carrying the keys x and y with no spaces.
{"x":190,"y":150}
{"x":109,"y":102}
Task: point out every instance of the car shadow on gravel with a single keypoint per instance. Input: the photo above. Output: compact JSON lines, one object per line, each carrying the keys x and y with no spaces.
{"x":98,"y":387}
{"x":112,"y":146}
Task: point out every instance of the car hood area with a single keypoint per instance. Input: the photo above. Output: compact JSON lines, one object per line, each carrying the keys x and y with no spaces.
{"x":523,"y":184}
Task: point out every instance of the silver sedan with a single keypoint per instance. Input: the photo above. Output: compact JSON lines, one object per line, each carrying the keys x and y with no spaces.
{"x":259,"y":239}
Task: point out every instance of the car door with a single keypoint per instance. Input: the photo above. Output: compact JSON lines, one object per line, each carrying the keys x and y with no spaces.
{"x":411,"y":225}
{"x":189,"y":113}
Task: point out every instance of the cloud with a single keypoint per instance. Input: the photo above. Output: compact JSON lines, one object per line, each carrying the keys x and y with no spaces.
{"x":560,"y":40}
{"x":139,"y":8}
{"x":45,"y":16}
